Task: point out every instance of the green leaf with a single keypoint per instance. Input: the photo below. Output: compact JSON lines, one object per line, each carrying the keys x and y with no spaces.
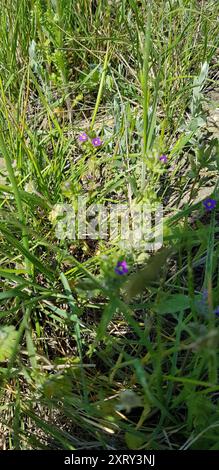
{"x":15,"y":292}
{"x":8,"y":336}
{"x":137,"y":282}
{"x":106,"y":318}
{"x":173,"y":303}
{"x":134,"y":440}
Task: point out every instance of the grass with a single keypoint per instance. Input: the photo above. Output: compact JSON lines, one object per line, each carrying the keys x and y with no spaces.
{"x":90,"y":359}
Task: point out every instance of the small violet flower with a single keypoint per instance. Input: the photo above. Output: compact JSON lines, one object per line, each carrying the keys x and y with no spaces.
{"x":216,"y":311}
{"x":163,"y":158}
{"x":96,"y":142}
{"x":83,"y":137}
{"x":121,"y":268}
{"x":209,"y":204}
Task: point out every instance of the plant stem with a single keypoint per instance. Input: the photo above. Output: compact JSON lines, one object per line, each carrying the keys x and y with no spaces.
{"x":101,"y":86}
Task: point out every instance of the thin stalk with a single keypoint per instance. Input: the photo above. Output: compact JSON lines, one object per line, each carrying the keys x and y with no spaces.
{"x":145,"y":89}
{"x":100,"y":91}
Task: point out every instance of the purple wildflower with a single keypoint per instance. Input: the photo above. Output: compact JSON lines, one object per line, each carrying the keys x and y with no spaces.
{"x":216,"y":311}
{"x":96,"y":142}
{"x":121,"y":268}
{"x":209,"y":204}
{"x":163,"y":158}
{"x":83,"y":137}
